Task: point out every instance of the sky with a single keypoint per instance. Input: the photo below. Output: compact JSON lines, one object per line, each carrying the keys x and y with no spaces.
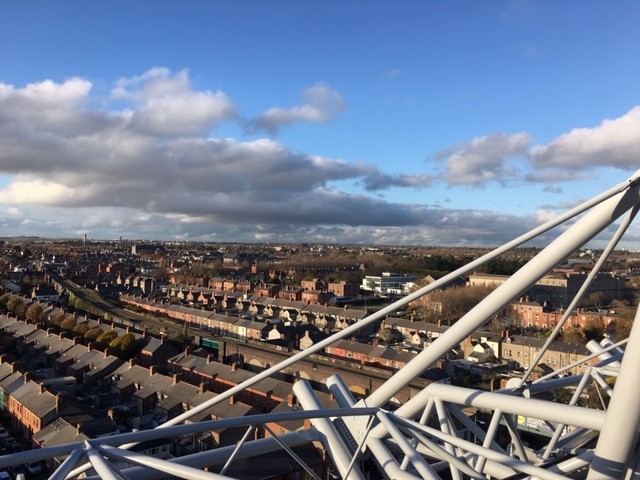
{"x":401,"y":123}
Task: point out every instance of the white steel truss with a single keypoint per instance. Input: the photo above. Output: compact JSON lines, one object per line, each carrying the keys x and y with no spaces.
{"x":585,"y":442}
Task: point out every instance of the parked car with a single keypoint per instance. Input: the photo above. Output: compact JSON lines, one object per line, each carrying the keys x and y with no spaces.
{"x":3,"y":433}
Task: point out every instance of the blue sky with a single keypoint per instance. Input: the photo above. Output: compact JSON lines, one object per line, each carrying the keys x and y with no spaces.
{"x":434,"y":123}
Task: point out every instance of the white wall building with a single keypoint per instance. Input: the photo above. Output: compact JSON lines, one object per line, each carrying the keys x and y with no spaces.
{"x":388,"y":283}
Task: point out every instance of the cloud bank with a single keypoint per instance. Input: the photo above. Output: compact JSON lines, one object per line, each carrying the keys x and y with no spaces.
{"x":147,"y":163}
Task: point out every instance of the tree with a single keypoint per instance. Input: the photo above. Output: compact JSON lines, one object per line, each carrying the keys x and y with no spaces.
{"x":160,"y":273}
{"x":562,"y":395}
{"x":68,"y":324}
{"x":13,"y":303}
{"x":124,"y":345}
{"x":625,"y":314}
{"x":4,"y":299}
{"x":593,"y":329}
{"x":20,"y":311}
{"x":184,"y":336}
{"x":58,"y":319}
{"x":93,"y":334}
{"x":81,"y":329}
{"x":390,"y":336}
{"x":33,"y":312}
{"x":106,"y":338}
{"x":453,"y":303}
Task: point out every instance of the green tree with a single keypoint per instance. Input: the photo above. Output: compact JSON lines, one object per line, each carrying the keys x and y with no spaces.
{"x":58,"y":319}
{"x":81,"y":329}
{"x":183,"y":337}
{"x":562,"y":395}
{"x":125,"y":345}
{"x":106,"y":338}
{"x":93,"y":334}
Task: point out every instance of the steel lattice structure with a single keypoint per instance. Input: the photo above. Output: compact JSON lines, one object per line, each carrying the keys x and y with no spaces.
{"x":586,"y":443}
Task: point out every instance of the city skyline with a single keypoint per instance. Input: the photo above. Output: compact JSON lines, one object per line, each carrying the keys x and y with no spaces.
{"x":420,"y":123}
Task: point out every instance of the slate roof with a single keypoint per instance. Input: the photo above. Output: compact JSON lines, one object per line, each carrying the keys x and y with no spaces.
{"x":224,"y":409}
{"x":39,"y":403}
{"x":153,"y":345}
{"x":72,"y":354}
{"x":153,"y":384}
{"x":180,"y":393}
{"x":58,"y":432}
{"x":98,"y":363}
{"x":220,"y":371}
{"x":11,"y":382}
{"x":554,"y":347}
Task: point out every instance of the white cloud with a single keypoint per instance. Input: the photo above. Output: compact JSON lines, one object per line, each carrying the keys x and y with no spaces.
{"x":166,"y":105}
{"x":613,"y":143}
{"x":46,"y":94}
{"x":154,"y":156}
{"x":483,"y":159}
{"x":319,"y":104}
{"x":509,"y":159}
{"x":149,"y":168}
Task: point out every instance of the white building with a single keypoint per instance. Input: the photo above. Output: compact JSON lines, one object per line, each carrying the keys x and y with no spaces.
{"x":388,"y":283}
